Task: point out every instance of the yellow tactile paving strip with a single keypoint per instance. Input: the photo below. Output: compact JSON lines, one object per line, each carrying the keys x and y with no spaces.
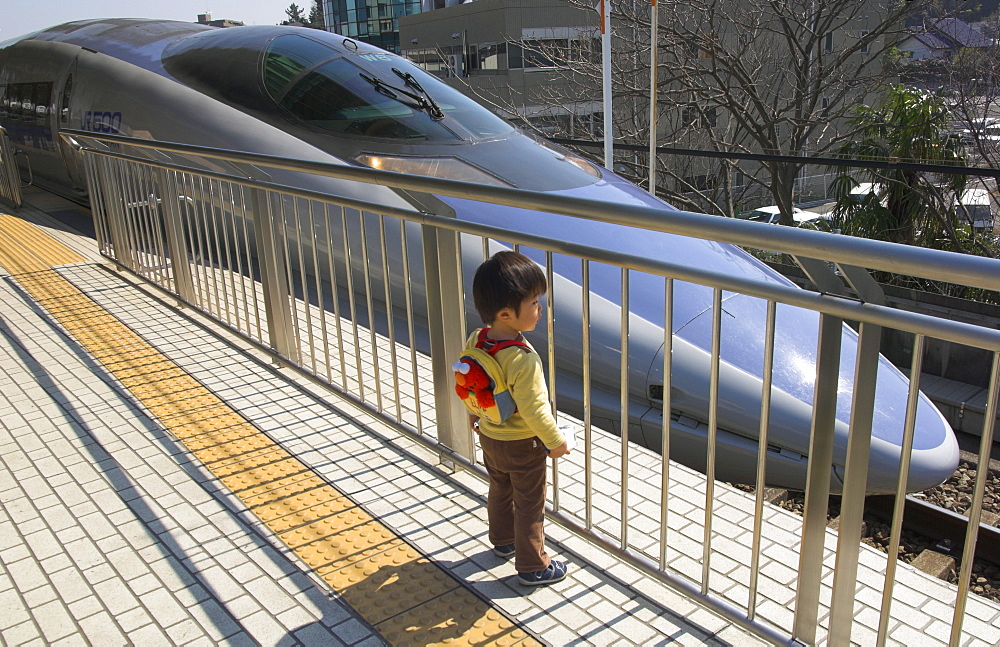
{"x":407,"y":598}
{"x":26,"y":248}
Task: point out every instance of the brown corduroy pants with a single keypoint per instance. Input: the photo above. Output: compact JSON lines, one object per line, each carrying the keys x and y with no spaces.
{"x":516,"y":501}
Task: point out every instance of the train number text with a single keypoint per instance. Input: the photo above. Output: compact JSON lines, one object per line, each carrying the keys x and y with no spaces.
{"x":102,"y":122}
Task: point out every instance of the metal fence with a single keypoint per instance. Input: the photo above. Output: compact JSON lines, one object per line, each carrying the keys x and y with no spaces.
{"x":336,"y":287}
{"x":10,"y":180}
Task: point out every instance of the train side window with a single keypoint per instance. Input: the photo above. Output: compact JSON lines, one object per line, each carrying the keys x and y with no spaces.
{"x":13,"y":101}
{"x":42,"y":98}
{"x":26,"y":106}
{"x":4,"y":102}
{"x":64,"y":108}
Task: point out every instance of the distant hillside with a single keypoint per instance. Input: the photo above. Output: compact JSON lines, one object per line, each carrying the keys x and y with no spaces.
{"x":967,"y":10}
{"x":973,"y":10}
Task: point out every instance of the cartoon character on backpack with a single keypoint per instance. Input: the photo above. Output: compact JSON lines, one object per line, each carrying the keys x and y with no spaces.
{"x":479,"y":380}
{"x":473,"y":384}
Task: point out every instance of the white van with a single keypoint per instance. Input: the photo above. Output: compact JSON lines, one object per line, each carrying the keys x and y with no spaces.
{"x":975,"y":207}
{"x":865,"y":189}
{"x":772,"y":215}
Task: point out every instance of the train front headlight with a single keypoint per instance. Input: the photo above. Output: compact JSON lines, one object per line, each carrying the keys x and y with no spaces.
{"x":448,"y":168}
{"x":566,"y":156}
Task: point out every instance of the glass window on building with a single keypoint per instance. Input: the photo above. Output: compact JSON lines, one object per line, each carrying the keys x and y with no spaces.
{"x":515,"y":56}
{"x":698,"y":117}
{"x":371,"y":21}
{"x":493,"y":56}
{"x":444,"y":63}
{"x":544,"y":53}
{"x":586,"y":50}
{"x":541,"y":53}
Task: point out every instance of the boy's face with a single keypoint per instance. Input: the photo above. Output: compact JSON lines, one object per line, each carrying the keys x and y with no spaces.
{"x":527,"y":317}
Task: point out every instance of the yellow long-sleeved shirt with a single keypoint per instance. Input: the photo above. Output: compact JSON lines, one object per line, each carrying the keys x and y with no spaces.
{"x":526,"y":382}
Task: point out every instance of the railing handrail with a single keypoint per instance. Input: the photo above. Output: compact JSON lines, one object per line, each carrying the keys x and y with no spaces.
{"x":939,"y":265}
{"x":811,"y":160}
{"x":954,"y":331}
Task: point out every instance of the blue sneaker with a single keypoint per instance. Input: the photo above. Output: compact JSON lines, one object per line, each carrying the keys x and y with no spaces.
{"x":556,"y":572}
{"x":504,"y":551}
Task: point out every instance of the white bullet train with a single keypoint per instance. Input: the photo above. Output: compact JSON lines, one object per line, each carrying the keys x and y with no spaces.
{"x":312,"y":95}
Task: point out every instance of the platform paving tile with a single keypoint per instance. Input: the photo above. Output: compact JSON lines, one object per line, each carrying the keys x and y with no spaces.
{"x":40,"y":596}
{"x":100,"y":629}
{"x":987,"y":613}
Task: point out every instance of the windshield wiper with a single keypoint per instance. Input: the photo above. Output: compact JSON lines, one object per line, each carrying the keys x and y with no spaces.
{"x":435,"y":110}
{"x":391,"y":91}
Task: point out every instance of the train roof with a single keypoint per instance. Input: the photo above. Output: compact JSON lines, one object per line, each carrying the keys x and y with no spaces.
{"x":98,"y":32}
{"x":146,"y":42}
{"x":136,"y":41}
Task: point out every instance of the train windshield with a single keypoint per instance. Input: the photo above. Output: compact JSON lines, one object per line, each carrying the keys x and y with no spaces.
{"x":370,"y":94}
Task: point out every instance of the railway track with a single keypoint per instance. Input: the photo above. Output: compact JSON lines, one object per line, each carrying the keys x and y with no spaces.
{"x":934,"y":520}
{"x":945,"y":528}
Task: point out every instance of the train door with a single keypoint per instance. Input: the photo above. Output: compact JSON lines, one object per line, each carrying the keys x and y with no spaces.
{"x":29,"y":125}
{"x":29,"y":114}
{"x":66,"y":99}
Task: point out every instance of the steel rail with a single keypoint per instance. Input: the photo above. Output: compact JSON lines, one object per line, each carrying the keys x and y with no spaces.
{"x":939,"y":523}
{"x":932,"y":264}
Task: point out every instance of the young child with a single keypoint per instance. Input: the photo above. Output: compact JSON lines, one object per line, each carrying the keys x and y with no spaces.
{"x":506,"y":290}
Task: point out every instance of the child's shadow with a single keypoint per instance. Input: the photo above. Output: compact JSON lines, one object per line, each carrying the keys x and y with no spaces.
{"x":503,"y":585}
{"x":417,"y":601}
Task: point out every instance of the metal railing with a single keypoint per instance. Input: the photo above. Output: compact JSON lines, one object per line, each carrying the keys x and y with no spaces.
{"x":10,"y":179}
{"x":335,"y":286}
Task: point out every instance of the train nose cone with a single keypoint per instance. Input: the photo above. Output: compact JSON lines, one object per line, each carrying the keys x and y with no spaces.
{"x":935,"y":449}
{"x":933,"y":460}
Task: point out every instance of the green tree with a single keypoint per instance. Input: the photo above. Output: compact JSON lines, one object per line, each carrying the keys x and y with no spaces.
{"x":906,"y":206}
{"x":295,"y":15}
{"x":316,"y":15}
{"x":754,"y":76}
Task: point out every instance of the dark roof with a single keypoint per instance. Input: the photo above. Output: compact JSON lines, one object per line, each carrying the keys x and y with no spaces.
{"x":960,"y":32}
{"x":931,"y":40}
{"x":948,"y":33}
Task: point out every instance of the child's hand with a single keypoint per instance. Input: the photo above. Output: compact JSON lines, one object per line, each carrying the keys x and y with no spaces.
{"x":561,"y":450}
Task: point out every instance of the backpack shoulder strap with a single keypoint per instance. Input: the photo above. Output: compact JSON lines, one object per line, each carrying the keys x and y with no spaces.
{"x":493,"y":346}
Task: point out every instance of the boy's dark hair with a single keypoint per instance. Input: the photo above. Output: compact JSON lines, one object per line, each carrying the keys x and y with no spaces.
{"x":505,"y":280}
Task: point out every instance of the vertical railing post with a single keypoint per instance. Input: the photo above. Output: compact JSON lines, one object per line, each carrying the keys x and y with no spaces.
{"x":176,"y":241}
{"x":713,"y":434}
{"x":852,"y":506}
{"x":817,"y":495}
{"x":114,"y":205}
{"x":446,"y":328}
{"x":273,"y":276}
{"x":976,"y":510}
{"x":10,"y":179}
